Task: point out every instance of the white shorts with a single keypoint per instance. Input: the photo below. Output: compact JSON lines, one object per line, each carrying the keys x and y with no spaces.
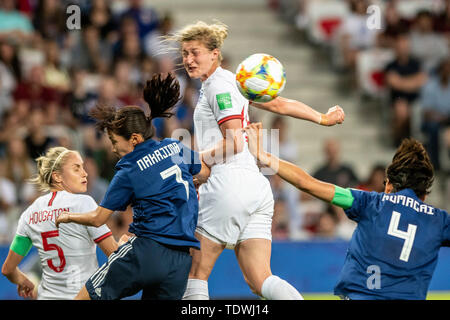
{"x":235,"y":205}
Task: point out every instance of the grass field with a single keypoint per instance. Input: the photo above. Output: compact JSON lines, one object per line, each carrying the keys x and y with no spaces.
{"x":435,"y":295}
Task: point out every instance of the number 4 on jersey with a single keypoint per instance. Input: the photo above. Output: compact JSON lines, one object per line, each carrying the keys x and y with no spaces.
{"x":408,"y":236}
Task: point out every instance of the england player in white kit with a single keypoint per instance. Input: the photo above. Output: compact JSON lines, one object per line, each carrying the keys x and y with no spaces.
{"x":236,"y":202}
{"x":68,"y":253}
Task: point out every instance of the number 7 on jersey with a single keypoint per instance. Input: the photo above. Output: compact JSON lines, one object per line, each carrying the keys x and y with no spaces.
{"x":175,"y":170}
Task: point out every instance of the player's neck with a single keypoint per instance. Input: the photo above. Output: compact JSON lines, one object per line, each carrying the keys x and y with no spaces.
{"x":213,"y":68}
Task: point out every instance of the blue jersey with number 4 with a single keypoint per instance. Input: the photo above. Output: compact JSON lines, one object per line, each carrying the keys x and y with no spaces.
{"x":156,"y":180}
{"x":394,"y":249}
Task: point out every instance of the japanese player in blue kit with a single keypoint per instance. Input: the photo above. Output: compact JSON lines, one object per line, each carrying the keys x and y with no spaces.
{"x":156,"y":179}
{"x":394,"y":249}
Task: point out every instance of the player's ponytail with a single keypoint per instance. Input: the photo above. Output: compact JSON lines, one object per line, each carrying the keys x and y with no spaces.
{"x":161,"y":93}
{"x":411,"y":168}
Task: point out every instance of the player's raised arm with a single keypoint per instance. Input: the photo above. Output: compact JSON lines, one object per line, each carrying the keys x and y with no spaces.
{"x":300,"y":110}
{"x":287,"y":171}
{"x":94,"y":218}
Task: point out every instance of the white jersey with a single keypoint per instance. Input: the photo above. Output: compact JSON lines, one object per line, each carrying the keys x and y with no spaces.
{"x":219,"y":101}
{"x":236,"y":202}
{"x":68,"y":253}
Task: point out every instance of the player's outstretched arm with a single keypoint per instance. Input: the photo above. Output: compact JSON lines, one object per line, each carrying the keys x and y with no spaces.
{"x":300,"y":110}
{"x":94,"y":218}
{"x":287,"y":171}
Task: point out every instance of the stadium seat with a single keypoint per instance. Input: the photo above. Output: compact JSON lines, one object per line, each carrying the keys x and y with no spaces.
{"x":370,"y":65}
{"x":325,"y":17}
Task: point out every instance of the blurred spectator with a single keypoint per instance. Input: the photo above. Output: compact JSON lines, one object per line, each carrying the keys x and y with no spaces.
{"x":128,"y":91}
{"x":33,"y":90}
{"x":37,"y":139}
{"x":9,"y":75}
{"x":375,"y":181}
{"x":8,"y":200}
{"x":280,"y":221}
{"x":145,"y":16}
{"x":80,"y":98}
{"x":55,"y":77}
{"x":14,"y":25}
{"x":404,"y":78}
{"x":355,"y":34}
{"x":97,"y":186}
{"x":49,"y":19}
{"x":100,"y":16}
{"x":90,"y":52}
{"x":292,"y":211}
{"x":18,"y":169}
{"x":426,"y":45}
{"x":435,"y":103}
{"x":442,"y":21}
{"x":327,"y":225}
{"x":333,"y":171}
{"x":287,"y":147}
{"x":394,"y":25}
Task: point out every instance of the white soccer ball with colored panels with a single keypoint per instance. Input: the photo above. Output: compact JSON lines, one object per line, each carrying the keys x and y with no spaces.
{"x":260,"y":77}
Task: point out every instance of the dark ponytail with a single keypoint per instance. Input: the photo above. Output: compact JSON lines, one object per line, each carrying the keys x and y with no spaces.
{"x":161,"y":93}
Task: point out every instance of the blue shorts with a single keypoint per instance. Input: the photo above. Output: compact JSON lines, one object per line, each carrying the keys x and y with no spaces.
{"x":161,"y":271}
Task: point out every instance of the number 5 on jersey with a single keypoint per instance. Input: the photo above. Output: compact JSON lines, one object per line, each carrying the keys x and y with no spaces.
{"x":408,"y":236}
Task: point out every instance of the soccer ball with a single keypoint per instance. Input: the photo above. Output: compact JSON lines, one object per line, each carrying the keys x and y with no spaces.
{"x":260,"y":77}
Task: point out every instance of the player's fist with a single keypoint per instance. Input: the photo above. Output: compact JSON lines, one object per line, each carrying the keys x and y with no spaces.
{"x":335,"y":115}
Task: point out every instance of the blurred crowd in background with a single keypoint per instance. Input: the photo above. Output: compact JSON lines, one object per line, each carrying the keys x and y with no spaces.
{"x":51,"y":76}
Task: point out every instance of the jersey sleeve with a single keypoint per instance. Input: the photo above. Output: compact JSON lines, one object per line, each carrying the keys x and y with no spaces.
{"x":119,"y":193}
{"x":21,"y":243}
{"x":225,"y":101}
{"x":97,"y":234}
{"x":361,"y":201}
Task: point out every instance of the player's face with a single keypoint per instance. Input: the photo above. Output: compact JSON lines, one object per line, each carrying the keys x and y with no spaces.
{"x":120,"y":145}
{"x":198,"y":60}
{"x":73,"y":177}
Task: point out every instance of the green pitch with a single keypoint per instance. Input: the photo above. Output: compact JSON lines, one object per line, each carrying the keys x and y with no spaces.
{"x":434,"y":295}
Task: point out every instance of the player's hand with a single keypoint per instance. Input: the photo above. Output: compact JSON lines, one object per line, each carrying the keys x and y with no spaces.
{"x":254,"y":134}
{"x":26,"y":289}
{"x":335,"y":115}
{"x":62,"y":218}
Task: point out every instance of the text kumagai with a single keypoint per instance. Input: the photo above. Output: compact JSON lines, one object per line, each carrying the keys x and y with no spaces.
{"x":408,"y":202}
{"x":46,"y":215}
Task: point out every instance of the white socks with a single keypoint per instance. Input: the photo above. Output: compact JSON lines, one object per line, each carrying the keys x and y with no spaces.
{"x":196,"y":290}
{"x":274,"y":288}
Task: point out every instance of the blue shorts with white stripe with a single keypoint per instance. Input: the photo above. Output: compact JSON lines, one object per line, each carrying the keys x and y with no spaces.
{"x":161,"y":271}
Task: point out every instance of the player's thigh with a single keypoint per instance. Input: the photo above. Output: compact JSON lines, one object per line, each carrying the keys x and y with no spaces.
{"x":109,"y":283}
{"x":253,"y":256}
{"x":203,"y":260}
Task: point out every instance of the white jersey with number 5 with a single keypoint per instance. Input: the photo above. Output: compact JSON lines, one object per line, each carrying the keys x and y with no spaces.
{"x":68,"y":253}
{"x":236,"y":203}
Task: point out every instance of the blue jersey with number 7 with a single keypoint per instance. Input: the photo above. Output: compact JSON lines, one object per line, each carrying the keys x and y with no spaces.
{"x":394,"y":249}
{"x":156,"y":180}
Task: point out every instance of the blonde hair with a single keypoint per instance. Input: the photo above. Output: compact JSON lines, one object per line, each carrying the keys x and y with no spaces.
{"x":51,"y":162}
{"x":211,"y":35}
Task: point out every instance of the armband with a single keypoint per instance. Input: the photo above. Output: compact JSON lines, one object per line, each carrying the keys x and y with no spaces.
{"x":342,"y":197}
{"x":21,"y":245}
